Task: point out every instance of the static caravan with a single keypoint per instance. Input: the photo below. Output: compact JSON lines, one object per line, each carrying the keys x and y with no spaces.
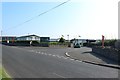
{"x":77,"y":43}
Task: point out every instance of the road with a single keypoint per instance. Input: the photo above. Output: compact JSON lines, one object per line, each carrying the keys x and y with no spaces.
{"x":30,"y":62}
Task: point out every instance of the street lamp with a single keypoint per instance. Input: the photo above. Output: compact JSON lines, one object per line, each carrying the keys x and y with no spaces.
{"x":62,"y":35}
{"x":68,"y":38}
{"x":79,"y":36}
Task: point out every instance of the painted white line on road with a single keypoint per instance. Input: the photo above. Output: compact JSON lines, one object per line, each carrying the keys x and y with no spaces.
{"x":65,"y":58}
{"x":68,"y":57}
{"x":59,"y":75}
{"x":14,"y":47}
{"x":30,"y":50}
{"x":62,"y":56}
{"x":78,"y":60}
{"x":67,"y":54}
{"x":39,"y":52}
{"x":36,"y":52}
{"x":54,"y":55}
{"x":58,"y":56}
{"x":45,"y":54}
{"x":42,"y":53}
{"x":72,"y":59}
{"x":49,"y":54}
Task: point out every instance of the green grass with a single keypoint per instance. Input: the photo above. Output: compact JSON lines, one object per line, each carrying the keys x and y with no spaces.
{"x":4,"y":75}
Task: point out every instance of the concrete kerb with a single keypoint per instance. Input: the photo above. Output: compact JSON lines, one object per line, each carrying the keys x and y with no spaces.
{"x":95,"y":63}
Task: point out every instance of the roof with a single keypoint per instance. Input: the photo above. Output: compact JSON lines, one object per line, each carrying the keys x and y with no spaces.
{"x":8,"y":36}
{"x":29,"y":36}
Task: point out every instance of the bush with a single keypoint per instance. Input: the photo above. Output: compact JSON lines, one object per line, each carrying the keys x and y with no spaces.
{"x":110,"y":43}
{"x":62,"y":40}
{"x":117,"y":44}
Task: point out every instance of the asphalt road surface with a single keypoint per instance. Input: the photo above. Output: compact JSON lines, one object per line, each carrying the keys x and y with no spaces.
{"x":34,"y":62}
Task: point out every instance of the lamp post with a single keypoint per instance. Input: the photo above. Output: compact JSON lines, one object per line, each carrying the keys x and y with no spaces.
{"x":79,"y":36}
{"x":62,"y":36}
{"x":68,"y":38}
{"x":81,"y":42}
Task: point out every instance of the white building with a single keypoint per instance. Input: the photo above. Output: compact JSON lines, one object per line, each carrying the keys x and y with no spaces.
{"x":55,"y":40}
{"x":29,"y":38}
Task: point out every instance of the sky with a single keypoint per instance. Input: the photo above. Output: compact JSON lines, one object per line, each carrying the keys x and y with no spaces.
{"x":89,"y":19}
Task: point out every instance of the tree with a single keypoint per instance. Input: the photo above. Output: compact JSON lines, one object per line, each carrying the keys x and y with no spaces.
{"x":62,"y":40}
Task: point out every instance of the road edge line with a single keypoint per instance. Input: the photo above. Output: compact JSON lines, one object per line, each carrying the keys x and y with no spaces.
{"x":90,"y":62}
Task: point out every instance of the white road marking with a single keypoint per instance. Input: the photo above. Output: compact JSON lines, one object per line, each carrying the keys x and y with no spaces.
{"x":39,"y":52}
{"x":67,"y":54}
{"x":65,"y":58}
{"x":14,"y":47}
{"x":36,"y":52}
{"x":45,"y":53}
{"x":53,"y":55}
{"x":58,"y":56}
{"x":42,"y":53}
{"x":59,"y":75}
{"x":49,"y":54}
{"x":71,"y":59}
{"x":62,"y":56}
{"x":78,"y":61}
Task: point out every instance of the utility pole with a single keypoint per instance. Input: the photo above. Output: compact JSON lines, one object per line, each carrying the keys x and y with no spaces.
{"x":68,"y":38}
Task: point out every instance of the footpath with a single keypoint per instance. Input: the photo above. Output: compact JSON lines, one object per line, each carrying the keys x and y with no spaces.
{"x":86,"y":55}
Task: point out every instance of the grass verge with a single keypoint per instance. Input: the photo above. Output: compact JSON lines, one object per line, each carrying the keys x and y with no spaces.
{"x":4,"y":75}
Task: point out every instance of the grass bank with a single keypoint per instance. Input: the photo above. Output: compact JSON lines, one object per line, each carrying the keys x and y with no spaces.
{"x":4,"y":75}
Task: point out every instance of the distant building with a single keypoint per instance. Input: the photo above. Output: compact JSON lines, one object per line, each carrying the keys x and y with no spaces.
{"x":29,"y":38}
{"x":54,"y":40}
{"x":10,"y":38}
{"x":82,"y":41}
{"x":91,"y":41}
{"x":44,"y":39}
{"x":79,"y":41}
{"x":7,"y":39}
{"x":33,"y":38}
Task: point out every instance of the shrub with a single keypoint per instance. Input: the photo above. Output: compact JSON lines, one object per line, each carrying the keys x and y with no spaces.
{"x":110,"y":43}
{"x":117,"y":44}
{"x":62,"y":40}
